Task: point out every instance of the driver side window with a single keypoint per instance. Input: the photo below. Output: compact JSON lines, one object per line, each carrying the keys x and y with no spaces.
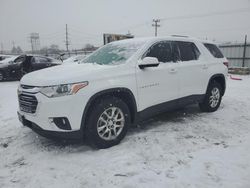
{"x":161,"y":51}
{"x":19,"y":59}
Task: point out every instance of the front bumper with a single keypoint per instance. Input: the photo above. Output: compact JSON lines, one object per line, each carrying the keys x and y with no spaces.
{"x":42,"y":110}
{"x":54,"y":135}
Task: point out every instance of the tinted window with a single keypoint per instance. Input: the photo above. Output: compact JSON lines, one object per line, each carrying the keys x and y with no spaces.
{"x":33,"y":60}
{"x":19,"y":59}
{"x":162,"y":51}
{"x":188,"y":51}
{"x":214,"y":50}
{"x":41,"y":60}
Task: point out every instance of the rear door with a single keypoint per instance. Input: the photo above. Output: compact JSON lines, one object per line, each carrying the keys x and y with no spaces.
{"x":40,"y":62}
{"x":192,"y":69}
{"x":218,"y":63}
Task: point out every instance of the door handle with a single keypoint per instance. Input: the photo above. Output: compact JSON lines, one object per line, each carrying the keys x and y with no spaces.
{"x":205,"y":67}
{"x":172,"y":70}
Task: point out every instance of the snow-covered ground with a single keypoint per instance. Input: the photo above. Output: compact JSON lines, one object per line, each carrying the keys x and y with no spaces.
{"x":185,"y":148}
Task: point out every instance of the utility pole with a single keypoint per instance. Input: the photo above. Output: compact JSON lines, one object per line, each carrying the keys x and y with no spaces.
{"x":13,"y":44}
{"x":244,"y":52}
{"x":67,"y":39}
{"x":2,"y":49}
{"x":156,"y":25}
{"x":32,"y":44}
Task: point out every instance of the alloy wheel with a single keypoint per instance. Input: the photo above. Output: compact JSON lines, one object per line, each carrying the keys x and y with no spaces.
{"x":110,"y":123}
{"x":215,"y":97}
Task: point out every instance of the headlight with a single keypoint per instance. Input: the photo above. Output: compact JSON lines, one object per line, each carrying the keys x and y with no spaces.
{"x":62,"y":90}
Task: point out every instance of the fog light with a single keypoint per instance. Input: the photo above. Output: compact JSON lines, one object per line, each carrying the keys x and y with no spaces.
{"x":61,"y":122}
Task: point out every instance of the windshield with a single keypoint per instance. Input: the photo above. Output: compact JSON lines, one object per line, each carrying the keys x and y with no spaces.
{"x":114,"y":53}
{"x":7,"y":60}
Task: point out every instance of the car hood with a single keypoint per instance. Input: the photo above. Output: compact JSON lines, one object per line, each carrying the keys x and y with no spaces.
{"x":3,"y":65}
{"x":7,"y":60}
{"x":66,"y":74}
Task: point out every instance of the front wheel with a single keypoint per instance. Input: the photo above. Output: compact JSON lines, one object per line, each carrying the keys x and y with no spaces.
{"x":212,"y":98}
{"x":2,"y":77}
{"x":108,"y":122}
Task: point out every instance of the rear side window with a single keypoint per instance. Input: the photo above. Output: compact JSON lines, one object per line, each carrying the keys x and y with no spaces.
{"x":188,"y":51}
{"x":41,"y":60}
{"x":162,"y":51}
{"x":214,"y":50}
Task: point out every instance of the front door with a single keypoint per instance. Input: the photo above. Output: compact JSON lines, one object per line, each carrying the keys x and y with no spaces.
{"x":156,"y":85}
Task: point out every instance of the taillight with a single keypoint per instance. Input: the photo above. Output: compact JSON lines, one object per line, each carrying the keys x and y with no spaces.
{"x":226,"y":64}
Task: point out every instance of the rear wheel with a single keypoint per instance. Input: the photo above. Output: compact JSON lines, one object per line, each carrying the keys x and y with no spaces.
{"x":212,"y":98}
{"x":108,"y":122}
{"x":22,"y":72}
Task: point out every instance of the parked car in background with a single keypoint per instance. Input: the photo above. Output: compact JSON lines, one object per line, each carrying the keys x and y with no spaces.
{"x":74,"y":59}
{"x":14,"y":68}
{"x":3,"y":57}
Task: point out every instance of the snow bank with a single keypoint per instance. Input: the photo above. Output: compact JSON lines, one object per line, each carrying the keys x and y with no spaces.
{"x":185,"y":148}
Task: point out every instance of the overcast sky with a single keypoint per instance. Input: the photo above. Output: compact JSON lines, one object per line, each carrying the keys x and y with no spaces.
{"x":222,"y":20}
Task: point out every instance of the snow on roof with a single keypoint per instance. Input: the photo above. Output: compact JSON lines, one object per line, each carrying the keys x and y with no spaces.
{"x":152,"y":39}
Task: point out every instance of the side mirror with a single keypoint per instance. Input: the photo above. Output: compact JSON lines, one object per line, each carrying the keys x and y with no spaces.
{"x":149,"y":62}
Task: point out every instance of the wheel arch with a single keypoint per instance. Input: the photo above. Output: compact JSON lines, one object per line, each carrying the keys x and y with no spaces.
{"x":219,"y":78}
{"x":124,"y":94}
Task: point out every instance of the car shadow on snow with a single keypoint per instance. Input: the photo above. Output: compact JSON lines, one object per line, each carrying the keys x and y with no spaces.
{"x":179,"y":115}
{"x":57,"y":145}
{"x":74,"y":146}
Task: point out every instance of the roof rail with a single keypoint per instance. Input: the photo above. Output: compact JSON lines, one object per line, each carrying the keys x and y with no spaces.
{"x":179,"y":36}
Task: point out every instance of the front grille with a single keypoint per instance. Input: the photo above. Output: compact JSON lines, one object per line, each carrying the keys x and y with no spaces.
{"x":27,"y":87}
{"x":27,"y":103}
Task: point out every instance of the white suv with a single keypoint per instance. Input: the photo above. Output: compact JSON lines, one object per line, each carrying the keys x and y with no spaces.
{"x":119,"y":84}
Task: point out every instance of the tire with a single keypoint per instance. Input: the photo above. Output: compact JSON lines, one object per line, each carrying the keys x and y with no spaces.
{"x":100,"y":115}
{"x":2,"y":76}
{"x":212,"y":98}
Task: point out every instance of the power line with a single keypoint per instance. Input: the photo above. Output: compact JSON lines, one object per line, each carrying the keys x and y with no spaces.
{"x":53,"y":33}
{"x":216,"y":13}
{"x":54,"y":36}
{"x":156,"y":25}
{"x":147,"y":23}
{"x":190,"y":16}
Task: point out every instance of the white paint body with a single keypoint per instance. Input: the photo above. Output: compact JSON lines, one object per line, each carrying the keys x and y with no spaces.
{"x":150,"y":86}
